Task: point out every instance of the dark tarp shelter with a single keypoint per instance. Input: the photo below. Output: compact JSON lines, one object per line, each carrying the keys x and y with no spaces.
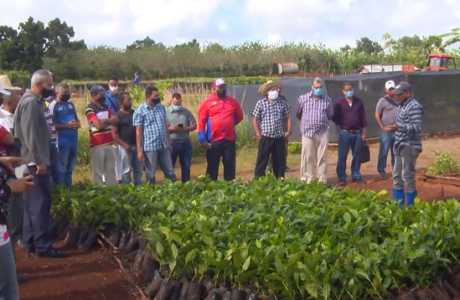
{"x":438,"y":92}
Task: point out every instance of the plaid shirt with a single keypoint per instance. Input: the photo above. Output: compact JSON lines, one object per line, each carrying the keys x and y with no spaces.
{"x":410,"y":123}
{"x":271,"y":116}
{"x":49,"y":119}
{"x":315,"y":114}
{"x":153,"y":123}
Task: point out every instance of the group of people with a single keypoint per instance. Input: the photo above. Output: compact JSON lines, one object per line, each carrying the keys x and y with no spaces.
{"x":39,"y":137}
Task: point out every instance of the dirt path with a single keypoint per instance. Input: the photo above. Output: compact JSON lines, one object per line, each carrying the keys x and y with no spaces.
{"x":81,"y":276}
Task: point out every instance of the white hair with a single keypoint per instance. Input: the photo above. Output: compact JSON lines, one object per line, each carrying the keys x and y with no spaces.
{"x":318,"y":80}
{"x":40,"y":76}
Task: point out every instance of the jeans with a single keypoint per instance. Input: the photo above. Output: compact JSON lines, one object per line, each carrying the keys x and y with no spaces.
{"x":349,"y":140}
{"x":55,"y":167}
{"x":386,"y":142}
{"x":132,"y":164}
{"x":183,"y":151}
{"x":404,"y":169}
{"x":16,"y":217}
{"x":68,"y":160}
{"x":163,"y":158}
{"x":9,"y":289}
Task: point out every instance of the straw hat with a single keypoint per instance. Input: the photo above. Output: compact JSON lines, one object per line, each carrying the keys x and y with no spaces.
{"x":263,"y":89}
{"x":6,"y":84}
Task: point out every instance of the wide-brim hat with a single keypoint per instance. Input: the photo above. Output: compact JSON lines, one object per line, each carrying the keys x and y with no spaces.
{"x":263,"y":89}
{"x":5,"y":83}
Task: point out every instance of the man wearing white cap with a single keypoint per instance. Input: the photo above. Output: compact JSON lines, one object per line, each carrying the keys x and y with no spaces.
{"x":385,"y":115}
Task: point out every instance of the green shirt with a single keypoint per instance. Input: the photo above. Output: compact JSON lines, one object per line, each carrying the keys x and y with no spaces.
{"x":182,"y":116}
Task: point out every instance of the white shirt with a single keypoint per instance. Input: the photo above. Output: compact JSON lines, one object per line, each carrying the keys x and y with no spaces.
{"x":6,"y":119}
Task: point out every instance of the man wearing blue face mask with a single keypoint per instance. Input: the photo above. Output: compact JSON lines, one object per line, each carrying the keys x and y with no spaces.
{"x":350,"y":116}
{"x":181,"y":122}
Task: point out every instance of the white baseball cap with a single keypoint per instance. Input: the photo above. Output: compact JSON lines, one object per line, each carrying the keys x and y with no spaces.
{"x":390,"y":84}
{"x":3,"y":91}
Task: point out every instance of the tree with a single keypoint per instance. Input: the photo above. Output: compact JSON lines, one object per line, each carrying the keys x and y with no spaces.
{"x":365,"y":45}
{"x":141,"y":44}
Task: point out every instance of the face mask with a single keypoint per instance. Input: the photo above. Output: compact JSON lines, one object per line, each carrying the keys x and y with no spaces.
{"x":391,"y":94}
{"x":101,"y":99}
{"x":47,"y":93}
{"x":221,"y":93}
{"x":127,"y":107}
{"x":273,"y":95}
{"x":175,"y":107}
{"x":349,"y":94}
{"x":65,"y":97}
{"x":113,"y":88}
{"x":156,"y":100}
{"x":318,"y":91}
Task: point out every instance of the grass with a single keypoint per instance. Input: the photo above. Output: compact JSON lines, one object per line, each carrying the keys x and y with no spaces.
{"x":245,"y":144}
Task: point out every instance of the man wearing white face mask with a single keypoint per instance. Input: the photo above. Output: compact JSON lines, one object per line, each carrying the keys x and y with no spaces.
{"x":269,"y":115}
{"x":112,"y":101}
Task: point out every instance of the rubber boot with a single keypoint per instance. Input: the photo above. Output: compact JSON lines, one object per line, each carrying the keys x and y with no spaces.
{"x":398,"y":195}
{"x":410,"y":198}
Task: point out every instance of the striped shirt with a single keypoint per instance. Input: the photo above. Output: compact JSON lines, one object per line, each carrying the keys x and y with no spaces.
{"x":49,"y":120}
{"x":315,"y":113}
{"x":410,"y":123}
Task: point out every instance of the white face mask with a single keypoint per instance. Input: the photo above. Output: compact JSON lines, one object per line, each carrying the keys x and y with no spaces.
{"x":113,"y":88}
{"x":273,"y":95}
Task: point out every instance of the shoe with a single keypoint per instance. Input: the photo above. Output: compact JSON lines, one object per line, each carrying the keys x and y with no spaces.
{"x":410,"y":198}
{"x":288,"y":170}
{"x":359,"y":181}
{"x":342,"y":183}
{"x":53,"y":253}
{"x":21,"y":278}
{"x":382,"y":175}
{"x":398,"y":195}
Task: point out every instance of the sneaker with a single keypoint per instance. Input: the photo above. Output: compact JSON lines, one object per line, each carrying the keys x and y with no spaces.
{"x":359,"y":181}
{"x":342,"y":183}
{"x":21,"y":278}
{"x":288,"y":170}
{"x":382,"y":175}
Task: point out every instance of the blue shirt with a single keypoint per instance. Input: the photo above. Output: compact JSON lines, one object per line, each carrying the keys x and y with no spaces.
{"x":153,"y":123}
{"x":63,"y":113}
{"x":112,"y":102}
{"x":137,"y":80}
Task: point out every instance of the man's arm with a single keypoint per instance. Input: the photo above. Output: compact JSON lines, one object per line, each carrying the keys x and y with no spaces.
{"x":257,"y":114}
{"x":116,"y":137}
{"x":203,"y":114}
{"x":238,"y":112}
{"x":113,"y":119}
{"x":6,"y":138}
{"x":330,"y":109}
{"x":362,"y":114}
{"x":94,"y":120}
{"x":286,"y":114}
{"x":192,"y":121}
{"x":379,"y":113}
{"x":138,"y":122}
{"x":416,"y":120}
{"x":31,"y":130}
{"x":336,"y":115}
{"x":299,"y":108}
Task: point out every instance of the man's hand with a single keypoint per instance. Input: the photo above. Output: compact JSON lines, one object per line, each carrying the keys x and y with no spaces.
{"x":41,"y":169}
{"x":21,"y":185}
{"x":127,"y":147}
{"x":363,"y":137}
{"x":206,"y":145}
{"x":140,"y":155}
{"x":170,"y":147}
{"x":258,"y":136}
{"x":392,"y":128}
{"x":11,"y":162}
{"x":175,"y":128}
{"x":287,"y":134}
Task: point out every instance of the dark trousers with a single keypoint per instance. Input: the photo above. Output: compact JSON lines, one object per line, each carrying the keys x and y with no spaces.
{"x":274,"y":148}
{"x":221,"y":150}
{"x":183,"y":151}
{"x":16,"y":217}
{"x":37,"y":206}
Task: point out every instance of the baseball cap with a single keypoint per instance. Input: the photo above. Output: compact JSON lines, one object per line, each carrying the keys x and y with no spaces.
{"x":218,"y":82}
{"x":97,"y":89}
{"x":3,"y":91}
{"x":390,"y":84}
{"x":402,"y":87}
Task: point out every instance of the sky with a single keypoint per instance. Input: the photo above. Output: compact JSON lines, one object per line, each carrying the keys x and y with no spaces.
{"x":332,"y":22}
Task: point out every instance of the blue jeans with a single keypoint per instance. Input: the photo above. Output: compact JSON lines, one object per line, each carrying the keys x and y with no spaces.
{"x":68,"y":160}
{"x":349,"y":140}
{"x":55,"y":167}
{"x":386,"y":143}
{"x":184,"y":151}
{"x":135,"y":167}
{"x":163,"y":158}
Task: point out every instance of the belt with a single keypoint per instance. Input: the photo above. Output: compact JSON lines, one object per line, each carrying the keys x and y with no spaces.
{"x":179,"y":142}
{"x":351,"y":130}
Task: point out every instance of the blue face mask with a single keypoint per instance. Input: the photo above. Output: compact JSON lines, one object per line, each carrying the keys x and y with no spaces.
{"x":349,"y":94}
{"x":175,"y":107}
{"x":318,"y":92}
{"x":156,"y":100}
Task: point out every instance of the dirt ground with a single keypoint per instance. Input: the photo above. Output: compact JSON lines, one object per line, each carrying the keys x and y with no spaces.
{"x":95,"y":276}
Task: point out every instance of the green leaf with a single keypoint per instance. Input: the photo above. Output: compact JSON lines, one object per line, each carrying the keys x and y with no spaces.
{"x":246,"y":264}
{"x":347,"y":217}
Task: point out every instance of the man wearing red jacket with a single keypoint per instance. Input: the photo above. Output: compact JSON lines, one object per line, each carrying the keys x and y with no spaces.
{"x":217,"y":117}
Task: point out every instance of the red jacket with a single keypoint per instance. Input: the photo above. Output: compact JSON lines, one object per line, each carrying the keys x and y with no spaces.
{"x":217,"y":119}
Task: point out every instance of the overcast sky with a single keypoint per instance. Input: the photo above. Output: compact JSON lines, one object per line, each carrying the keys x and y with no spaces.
{"x":333,"y":22}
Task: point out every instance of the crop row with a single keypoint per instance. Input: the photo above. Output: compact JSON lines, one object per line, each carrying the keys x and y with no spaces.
{"x":272,"y":237}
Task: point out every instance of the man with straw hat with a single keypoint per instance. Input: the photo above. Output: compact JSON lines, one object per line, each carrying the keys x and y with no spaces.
{"x":286,"y":140}
{"x":270,"y":114}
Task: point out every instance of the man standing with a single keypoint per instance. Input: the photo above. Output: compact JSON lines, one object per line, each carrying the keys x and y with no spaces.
{"x":217,"y":118}
{"x":101,"y":121}
{"x":269,"y":115}
{"x":152,"y":136}
{"x":385,"y":115}
{"x":112,"y":101}
{"x":181,"y":122}
{"x":350,"y":115}
{"x":137,"y":80}
{"x":408,"y":143}
{"x":314,"y":110}
{"x":31,"y":129}
{"x":125,"y":134}
{"x":67,"y":124}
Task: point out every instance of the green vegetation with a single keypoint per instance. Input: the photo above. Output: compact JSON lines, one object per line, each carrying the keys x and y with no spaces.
{"x":50,"y":45}
{"x":443,"y":165}
{"x":275,"y":237}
